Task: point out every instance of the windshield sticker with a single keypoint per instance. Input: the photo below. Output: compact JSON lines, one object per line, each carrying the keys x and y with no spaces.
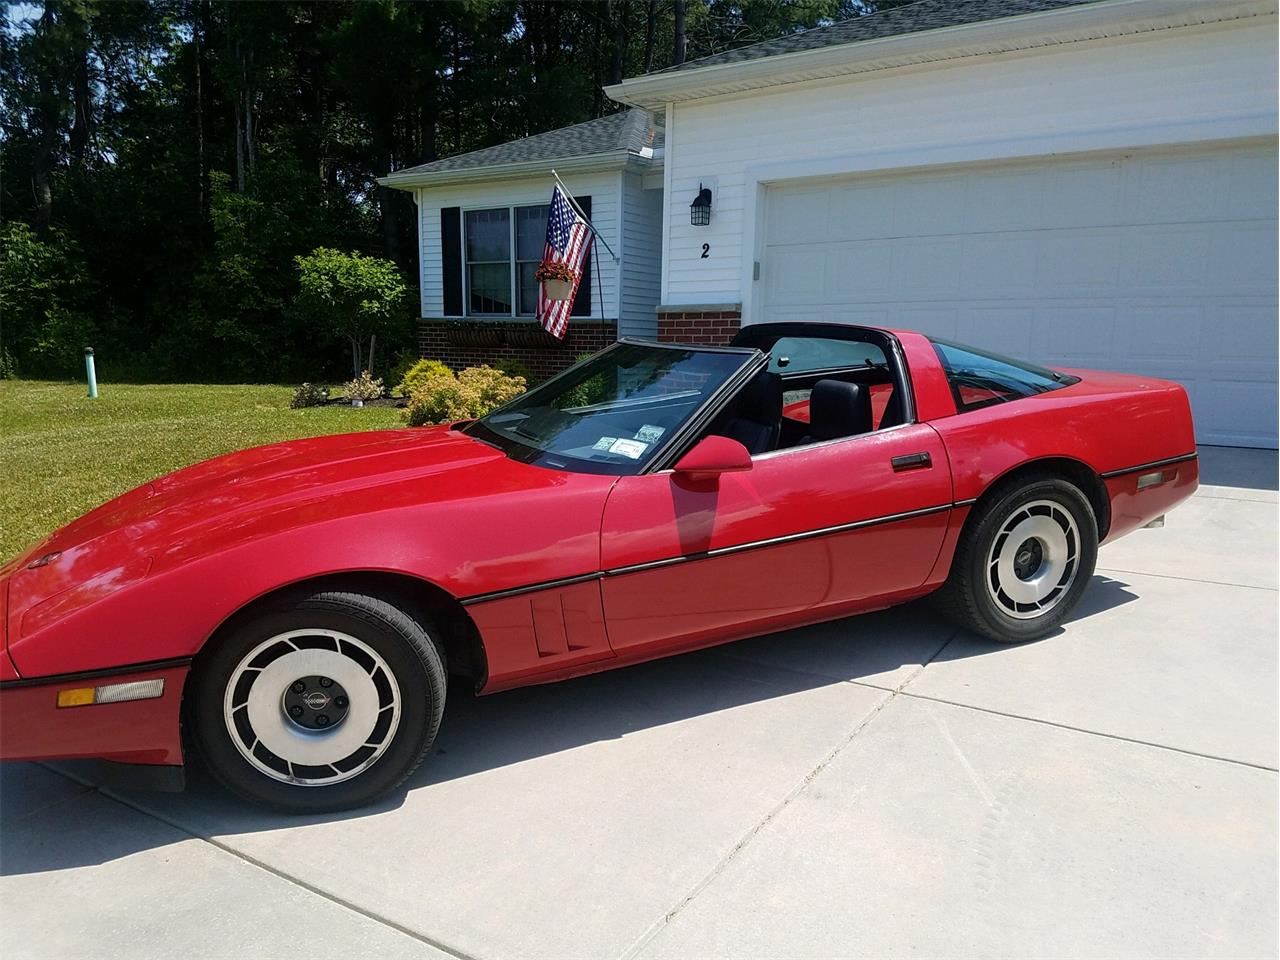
{"x":604,"y":443}
{"x":629,"y":448}
{"x":649,"y":433}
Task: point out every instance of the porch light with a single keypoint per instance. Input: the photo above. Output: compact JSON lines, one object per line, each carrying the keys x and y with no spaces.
{"x":700,"y":209}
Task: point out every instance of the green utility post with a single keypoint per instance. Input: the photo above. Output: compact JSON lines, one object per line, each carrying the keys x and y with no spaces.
{"x":90,"y":372}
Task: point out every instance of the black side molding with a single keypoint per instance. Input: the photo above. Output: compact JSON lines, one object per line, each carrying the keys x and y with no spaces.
{"x":1150,"y":466}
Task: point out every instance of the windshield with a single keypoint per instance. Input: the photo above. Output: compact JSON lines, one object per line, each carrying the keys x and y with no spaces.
{"x":614,"y":412}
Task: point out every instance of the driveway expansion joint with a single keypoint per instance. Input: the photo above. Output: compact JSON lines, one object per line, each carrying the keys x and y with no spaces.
{"x":1172,"y":576}
{"x":267,"y":868}
{"x":654,"y":929}
{"x":1091,"y":733}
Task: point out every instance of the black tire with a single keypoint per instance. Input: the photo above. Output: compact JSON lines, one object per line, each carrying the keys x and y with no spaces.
{"x":383,"y":632}
{"x":973,"y":595}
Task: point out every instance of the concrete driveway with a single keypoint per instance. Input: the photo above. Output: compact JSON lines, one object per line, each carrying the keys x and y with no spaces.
{"x":881,"y":786}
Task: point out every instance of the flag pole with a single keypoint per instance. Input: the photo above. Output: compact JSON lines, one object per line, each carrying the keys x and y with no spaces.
{"x":577,"y":209}
{"x":599,"y":284}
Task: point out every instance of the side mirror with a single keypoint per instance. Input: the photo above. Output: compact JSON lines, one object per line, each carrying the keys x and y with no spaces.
{"x":712,"y":456}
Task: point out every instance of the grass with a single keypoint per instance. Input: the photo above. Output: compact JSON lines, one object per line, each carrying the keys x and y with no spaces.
{"x":62,"y":454}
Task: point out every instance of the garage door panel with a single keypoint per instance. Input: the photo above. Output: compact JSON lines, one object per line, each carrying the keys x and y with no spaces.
{"x":1160,"y":338}
{"x":1247,"y":254}
{"x":858,"y":271}
{"x":1243,"y":412}
{"x":1076,"y":262}
{"x":932,"y":207}
{"x":1167,"y":259}
{"x":1179,"y":189}
{"x":1000,"y":266}
{"x":798,"y":276}
{"x":1243,"y":332}
{"x":1081,"y":195}
{"x":926,"y":269}
{"x":1160,"y":262}
{"x":939,"y":321}
{"x":1252,"y":187}
{"x":999,"y":200}
{"x":801,"y":218}
{"x":999,"y":327}
{"x":1075,"y":336}
{"x":859,"y":213}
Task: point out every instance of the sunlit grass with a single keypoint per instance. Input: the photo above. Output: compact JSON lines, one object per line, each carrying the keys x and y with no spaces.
{"x":62,"y":453}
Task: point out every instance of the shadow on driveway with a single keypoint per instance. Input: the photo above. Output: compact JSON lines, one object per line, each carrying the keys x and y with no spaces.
{"x":881,"y":649}
{"x":1238,"y":467}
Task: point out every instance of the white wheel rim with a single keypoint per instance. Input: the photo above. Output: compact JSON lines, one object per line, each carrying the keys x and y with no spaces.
{"x":1033,"y":559}
{"x":255,"y":706}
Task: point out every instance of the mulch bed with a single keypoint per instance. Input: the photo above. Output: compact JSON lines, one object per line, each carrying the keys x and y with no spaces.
{"x":380,"y":402}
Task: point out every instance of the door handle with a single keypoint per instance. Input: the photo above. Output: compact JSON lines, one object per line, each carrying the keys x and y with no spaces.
{"x":911,"y":461}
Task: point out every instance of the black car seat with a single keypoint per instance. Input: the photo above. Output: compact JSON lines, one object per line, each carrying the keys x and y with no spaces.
{"x":894,"y":413}
{"x":755,"y":417}
{"x":838,"y":409}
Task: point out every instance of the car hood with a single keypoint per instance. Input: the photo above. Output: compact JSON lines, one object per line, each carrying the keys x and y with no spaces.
{"x":244,"y":495}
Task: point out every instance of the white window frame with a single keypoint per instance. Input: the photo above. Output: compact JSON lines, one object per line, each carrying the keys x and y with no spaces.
{"x":512,"y":262}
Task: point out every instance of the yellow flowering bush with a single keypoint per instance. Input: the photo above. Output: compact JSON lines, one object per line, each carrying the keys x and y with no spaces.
{"x":442,"y":397}
{"x":420,"y":373}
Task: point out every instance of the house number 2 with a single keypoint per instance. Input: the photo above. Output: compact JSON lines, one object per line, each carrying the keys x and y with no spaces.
{"x":706,"y":251}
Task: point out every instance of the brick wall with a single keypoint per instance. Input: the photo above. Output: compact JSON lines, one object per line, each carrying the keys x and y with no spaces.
{"x":469,"y":343}
{"x":715,"y":327}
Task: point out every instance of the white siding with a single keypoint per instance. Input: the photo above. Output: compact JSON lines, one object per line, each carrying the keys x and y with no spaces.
{"x":642,"y":258}
{"x":1175,"y":87}
{"x":601,"y":187}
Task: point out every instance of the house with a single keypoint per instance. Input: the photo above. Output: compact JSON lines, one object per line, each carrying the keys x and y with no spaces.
{"x":1085,"y":184}
{"x":482,"y":221}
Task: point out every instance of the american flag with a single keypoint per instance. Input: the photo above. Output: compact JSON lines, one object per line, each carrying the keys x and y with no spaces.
{"x":567,"y":238}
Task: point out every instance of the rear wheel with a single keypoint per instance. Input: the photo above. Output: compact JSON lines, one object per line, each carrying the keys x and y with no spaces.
{"x":325,"y":702}
{"x":1023,"y":561}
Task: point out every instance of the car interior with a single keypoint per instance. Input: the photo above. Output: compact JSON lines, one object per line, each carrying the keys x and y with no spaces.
{"x":815,"y":388}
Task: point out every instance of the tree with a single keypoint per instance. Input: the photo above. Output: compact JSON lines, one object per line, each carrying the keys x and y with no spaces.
{"x":356,"y":296}
{"x":174,"y":157}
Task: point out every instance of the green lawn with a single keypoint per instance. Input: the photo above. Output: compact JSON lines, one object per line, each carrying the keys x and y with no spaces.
{"x":62,"y":453}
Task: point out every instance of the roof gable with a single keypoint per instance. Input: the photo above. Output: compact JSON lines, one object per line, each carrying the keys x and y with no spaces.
{"x":618,"y":136}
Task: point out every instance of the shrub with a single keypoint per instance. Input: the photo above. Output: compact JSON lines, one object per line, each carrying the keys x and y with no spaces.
{"x":420,"y":373}
{"x":402,"y":364}
{"x":309,"y":395}
{"x":363,"y":387}
{"x":595,"y":389}
{"x":358,"y":297}
{"x":442,"y":397}
{"x":514,"y":368}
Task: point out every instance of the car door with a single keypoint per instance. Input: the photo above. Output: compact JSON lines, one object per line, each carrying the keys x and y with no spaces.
{"x":806,"y":534}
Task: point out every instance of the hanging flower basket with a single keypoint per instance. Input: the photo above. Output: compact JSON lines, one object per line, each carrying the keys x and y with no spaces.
{"x":557,"y":279}
{"x":558,"y":289}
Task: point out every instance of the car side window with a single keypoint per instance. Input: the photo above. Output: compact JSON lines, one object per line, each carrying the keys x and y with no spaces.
{"x":980,"y":379}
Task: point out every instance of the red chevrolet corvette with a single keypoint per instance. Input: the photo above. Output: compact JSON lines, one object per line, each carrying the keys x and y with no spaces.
{"x":291,"y":612}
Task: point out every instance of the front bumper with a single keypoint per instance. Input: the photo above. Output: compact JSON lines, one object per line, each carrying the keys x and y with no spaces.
{"x":34,"y":727}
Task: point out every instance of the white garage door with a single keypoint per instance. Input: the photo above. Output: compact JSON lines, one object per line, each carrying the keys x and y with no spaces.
{"x":1155,"y":262}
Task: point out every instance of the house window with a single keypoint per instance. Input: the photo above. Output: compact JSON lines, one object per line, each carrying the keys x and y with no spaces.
{"x":504,"y":247}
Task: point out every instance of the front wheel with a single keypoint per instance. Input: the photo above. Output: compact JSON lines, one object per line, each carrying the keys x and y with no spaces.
{"x":323,"y":703}
{"x":1023,"y":561}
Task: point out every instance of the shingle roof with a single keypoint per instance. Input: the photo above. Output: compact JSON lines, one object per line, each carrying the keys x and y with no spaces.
{"x":911,"y":18}
{"x":630,"y":130}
